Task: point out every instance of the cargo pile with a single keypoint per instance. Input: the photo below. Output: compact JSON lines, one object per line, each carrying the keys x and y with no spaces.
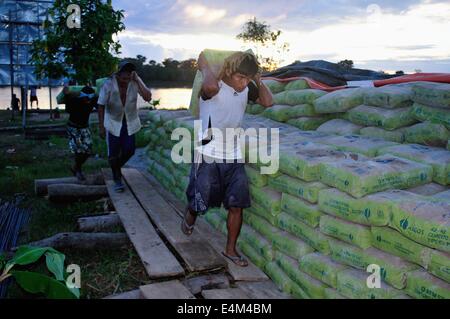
{"x":413,"y":113}
{"x":369,"y":185}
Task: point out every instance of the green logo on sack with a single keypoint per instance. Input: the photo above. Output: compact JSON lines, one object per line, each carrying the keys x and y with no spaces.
{"x":383,"y":273}
{"x":423,"y":176}
{"x":367,"y":213}
{"x":378,"y":238}
{"x":350,"y":236}
{"x":346,"y":183}
{"x":404,"y":224}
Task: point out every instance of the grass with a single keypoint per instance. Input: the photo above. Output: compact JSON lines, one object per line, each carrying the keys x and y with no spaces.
{"x":41,"y":119}
{"x":21,"y":162}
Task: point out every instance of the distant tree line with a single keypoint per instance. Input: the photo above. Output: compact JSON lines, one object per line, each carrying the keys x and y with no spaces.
{"x":169,"y":70}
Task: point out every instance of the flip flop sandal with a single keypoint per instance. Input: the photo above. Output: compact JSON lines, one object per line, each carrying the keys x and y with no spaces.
{"x":185,"y":228}
{"x":237,"y":260}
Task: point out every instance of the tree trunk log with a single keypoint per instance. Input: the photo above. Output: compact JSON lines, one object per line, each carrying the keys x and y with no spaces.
{"x":84,"y":241}
{"x":41,"y":185}
{"x":73,"y":192}
{"x":98,"y":223}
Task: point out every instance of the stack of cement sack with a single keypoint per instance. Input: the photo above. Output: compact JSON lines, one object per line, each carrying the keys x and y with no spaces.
{"x":417,"y":112}
{"x":337,"y":205}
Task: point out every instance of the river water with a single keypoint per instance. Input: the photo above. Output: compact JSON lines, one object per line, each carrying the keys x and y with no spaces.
{"x":170,"y":98}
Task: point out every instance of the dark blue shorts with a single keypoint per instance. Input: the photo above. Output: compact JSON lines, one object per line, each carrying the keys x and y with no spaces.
{"x":217,"y":184}
{"x":121,"y":146}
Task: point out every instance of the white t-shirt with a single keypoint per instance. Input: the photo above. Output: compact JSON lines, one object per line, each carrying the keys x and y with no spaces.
{"x":225,"y":110}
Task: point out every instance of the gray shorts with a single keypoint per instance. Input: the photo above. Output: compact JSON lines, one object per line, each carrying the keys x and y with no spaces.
{"x":216,"y":184}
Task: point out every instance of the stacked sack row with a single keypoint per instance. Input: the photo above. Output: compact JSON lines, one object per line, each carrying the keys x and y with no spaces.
{"x":417,"y":112}
{"x":336,"y":205}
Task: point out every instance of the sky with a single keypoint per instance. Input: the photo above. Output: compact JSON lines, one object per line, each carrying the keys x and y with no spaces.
{"x":405,"y":35}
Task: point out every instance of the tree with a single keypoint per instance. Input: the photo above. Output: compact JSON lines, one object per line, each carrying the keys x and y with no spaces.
{"x":77,"y":52}
{"x":263,"y":38}
{"x":347,"y":64}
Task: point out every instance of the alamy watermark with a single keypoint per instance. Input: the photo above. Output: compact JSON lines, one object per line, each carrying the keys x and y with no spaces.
{"x":73,"y":279}
{"x":374,"y":280}
{"x":73,"y":21}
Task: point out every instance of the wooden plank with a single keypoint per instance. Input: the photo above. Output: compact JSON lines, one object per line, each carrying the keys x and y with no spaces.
{"x":178,"y":205}
{"x":166,"y":290}
{"x":215,"y":238}
{"x":158,"y":261}
{"x":210,"y":281}
{"x":230,"y":293}
{"x":194,"y":250}
{"x":218,"y":242}
{"x":262,"y":290}
{"x":133,"y":294}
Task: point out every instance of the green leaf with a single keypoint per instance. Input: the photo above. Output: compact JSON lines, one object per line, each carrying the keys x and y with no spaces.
{"x":55,"y":264}
{"x":37,"y":283}
{"x":26,"y":255}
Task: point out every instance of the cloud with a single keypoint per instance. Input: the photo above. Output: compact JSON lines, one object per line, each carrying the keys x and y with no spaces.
{"x":413,"y":47}
{"x":198,"y":14}
{"x":362,"y":30}
{"x":429,"y":66}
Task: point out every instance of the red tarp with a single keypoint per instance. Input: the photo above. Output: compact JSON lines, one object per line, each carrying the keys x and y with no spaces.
{"x":428,"y":77}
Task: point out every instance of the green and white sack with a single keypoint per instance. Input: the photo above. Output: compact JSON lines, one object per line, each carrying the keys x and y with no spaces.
{"x":275,"y":86}
{"x":393,"y":242}
{"x":397,"y":136}
{"x":331,"y":293}
{"x":278,"y":276}
{"x":321,"y":267}
{"x":297,"y":85}
{"x":424,"y":221}
{"x":339,"y":101}
{"x":436,"y":115}
{"x":358,"y":144}
{"x":300,"y":209}
{"x":427,"y":133}
{"x":352,"y":283}
{"x":296,"y":97}
{"x":301,"y":110}
{"x":369,"y":210}
{"x":254,"y":176}
{"x":339,"y":127}
{"x":293,"y":186}
{"x":389,"y":96}
{"x":260,"y":211}
{"x":440,"y":265}
{"x":307,"y":123}
{"x":312,"y":287}
{"x":388,"y":119}
{"x":359,"y":178}
{"x":268,"y":198}
{"x":432,"y":94}
{"x":303,"y":159}
{"x":279,"y":113}
{"x":290,"y":245}
{"x":352,"y":233}
{"x":422,"y":285}
{"x":311,"y":236}
{"x":438,"y":158}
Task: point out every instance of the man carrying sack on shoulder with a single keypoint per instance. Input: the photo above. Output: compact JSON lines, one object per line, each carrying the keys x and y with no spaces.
{"x":217,"y":174}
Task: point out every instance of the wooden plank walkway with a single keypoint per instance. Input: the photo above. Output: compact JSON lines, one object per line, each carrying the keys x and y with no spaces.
{"x":166,"y":290}
{"x":195,"y":251}
{"x":151,"y":217}
{"x":158,"y":261}
{"x":230,"y":293}
{"x":215,"y":238}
